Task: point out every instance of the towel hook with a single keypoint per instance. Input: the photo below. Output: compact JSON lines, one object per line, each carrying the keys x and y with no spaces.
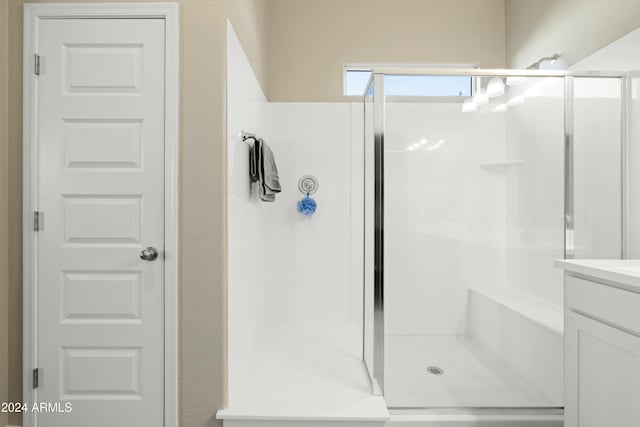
{"x":308,"y":184}
{"x":245,"y":136}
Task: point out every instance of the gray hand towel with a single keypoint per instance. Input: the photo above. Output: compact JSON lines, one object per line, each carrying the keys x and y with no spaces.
{"x":254,"y":162}
{"x":263,"y":170}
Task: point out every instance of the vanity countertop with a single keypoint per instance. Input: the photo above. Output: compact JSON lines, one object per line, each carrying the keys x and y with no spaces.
{"x":621,"y":273}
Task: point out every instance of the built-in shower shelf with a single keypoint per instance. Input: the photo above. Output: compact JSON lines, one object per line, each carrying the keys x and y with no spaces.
{"x":500,"y":165}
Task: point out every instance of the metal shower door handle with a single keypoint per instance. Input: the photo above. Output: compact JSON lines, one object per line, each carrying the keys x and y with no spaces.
{"x":149,"y":254}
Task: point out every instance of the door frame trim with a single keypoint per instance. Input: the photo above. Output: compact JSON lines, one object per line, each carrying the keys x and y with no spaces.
{"x":33,"y":13}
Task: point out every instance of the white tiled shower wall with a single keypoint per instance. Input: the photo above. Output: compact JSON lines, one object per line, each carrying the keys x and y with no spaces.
{"x":444,"y":214}
{"x":535,"y":192}
{"x":285,"y":268}
{"x":476,"y":200}
{"x":247,"y":236}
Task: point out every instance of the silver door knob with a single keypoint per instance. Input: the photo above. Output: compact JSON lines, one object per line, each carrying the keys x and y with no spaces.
{"x":149,"y":254}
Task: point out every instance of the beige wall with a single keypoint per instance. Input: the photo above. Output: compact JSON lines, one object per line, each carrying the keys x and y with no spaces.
{"x":202,"y":212}
{"x":250,"y":22}
{"x":15,"y":209}
{"x":310,"y":40}
{"x":4,"y":229}
{"x":572,"y":28}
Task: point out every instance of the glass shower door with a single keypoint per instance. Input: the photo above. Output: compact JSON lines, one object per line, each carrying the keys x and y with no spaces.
{"x":473,"y":218}
{"x":468,"y":201}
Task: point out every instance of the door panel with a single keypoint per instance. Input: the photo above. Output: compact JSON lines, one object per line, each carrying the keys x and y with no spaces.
{"x":101,"y":188}
{"x":603,"y":373}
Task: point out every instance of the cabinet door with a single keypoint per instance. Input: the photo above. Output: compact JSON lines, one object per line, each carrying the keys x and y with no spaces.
{"x":602,"y":366}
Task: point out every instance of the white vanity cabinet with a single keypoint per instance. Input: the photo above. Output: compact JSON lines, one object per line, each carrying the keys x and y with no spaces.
{"x":602,"y":344}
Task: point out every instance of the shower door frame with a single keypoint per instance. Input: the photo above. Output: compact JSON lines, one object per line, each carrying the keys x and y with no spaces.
{"x":376,"y":84}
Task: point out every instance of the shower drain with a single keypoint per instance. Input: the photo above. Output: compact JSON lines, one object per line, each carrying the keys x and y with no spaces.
{"x":434,"y":370}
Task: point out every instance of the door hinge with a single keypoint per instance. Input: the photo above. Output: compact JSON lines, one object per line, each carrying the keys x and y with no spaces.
{"x":36,"y":376}
{"x":38,"y":221}
{"x":36,"y":64}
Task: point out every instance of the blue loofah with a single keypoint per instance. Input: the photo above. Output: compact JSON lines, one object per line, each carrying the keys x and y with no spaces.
{"x":307,"y":206}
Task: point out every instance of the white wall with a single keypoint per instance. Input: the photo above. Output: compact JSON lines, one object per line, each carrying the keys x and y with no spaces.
{"x":535,"y":189}
{"x":284,"y":268}
{"x":308,"y":277}
{"x":634,"y":172}
{"x":597,"y":171}
{"x":247,"y":234}
{"x":481,"y":209}
{"x":444,"y":213}
{"x":624,"y":55}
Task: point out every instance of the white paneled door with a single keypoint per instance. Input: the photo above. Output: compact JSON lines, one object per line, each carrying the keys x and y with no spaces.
{"x":100,"y":139}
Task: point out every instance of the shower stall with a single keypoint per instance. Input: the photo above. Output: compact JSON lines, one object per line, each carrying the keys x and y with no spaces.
{"x":474,"y":184}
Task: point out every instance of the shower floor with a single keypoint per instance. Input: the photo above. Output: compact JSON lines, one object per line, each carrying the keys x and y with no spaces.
{"x":470,"y":378}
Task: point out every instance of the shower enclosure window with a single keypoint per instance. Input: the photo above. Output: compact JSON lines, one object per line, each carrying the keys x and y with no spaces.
{"x":356,"y":81}
{"x":468,"y":200}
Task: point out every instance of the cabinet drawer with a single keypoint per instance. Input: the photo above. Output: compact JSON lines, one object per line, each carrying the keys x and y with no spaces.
{"x":614,"y":306}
